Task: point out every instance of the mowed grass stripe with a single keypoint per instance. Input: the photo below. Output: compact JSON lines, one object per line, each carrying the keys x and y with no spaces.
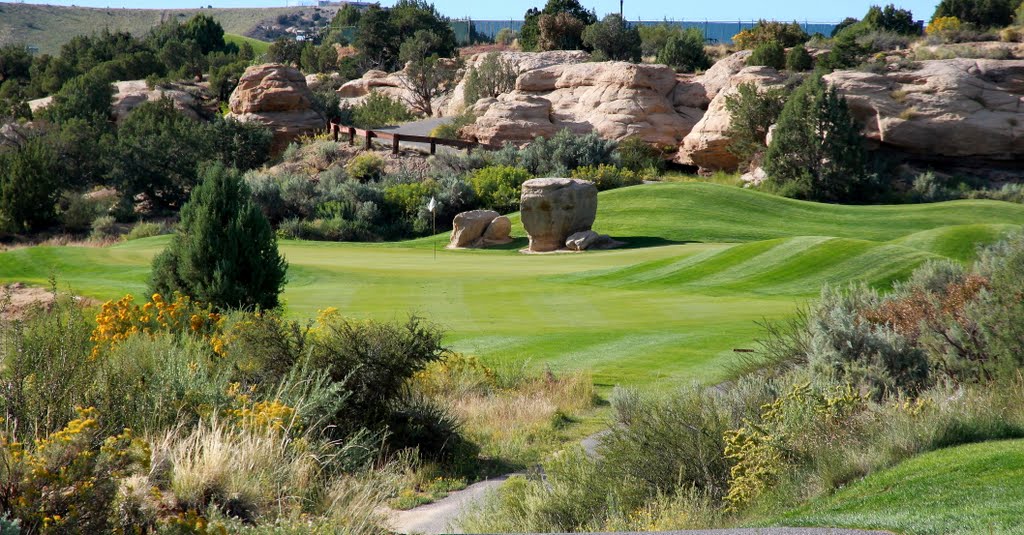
{"x":640,"y":315}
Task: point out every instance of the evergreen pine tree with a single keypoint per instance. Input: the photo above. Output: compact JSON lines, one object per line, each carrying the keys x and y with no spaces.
{"x":224,"y":252}
{"x":817,"y":151}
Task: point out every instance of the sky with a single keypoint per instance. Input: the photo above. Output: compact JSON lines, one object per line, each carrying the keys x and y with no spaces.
{"x":801,"y":10}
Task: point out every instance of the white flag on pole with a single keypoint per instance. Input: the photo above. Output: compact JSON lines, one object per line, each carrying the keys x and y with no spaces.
{"x":432,"y":205}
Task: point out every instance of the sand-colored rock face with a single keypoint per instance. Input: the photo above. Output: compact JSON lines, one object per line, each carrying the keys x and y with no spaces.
{"x":707,"y":144}
{"x":614,"y":99}
{"x":553,"y":209}
{"x":947,"y":109}
{"x":276,"y":96}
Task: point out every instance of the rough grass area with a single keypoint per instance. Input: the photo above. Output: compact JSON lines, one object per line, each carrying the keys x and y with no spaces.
{"x":704,"y":264}
{"x":48,"y":27}
{"x":972,"y":489}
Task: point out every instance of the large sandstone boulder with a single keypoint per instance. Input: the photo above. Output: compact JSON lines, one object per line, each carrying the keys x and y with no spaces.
{"x":276,"y":96}
{"x":947,"y":110}
{"x":480,"y":228}
{"x":707,"y":145}
{"x":614,"y":99}
{"x":553,"y":209}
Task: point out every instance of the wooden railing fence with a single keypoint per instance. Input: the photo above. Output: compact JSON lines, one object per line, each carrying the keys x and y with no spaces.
{"x":337,"y":131}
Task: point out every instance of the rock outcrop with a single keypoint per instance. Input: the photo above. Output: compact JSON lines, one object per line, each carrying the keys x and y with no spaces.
{"x":707,"y":144}
{"x":553,"y":209}
{"x":614,"y":99}
{"x":520,"y":61}
{"x":480,"y":228}
{"x":276,"y":96}
{"x":393,"y":84}
{"x":946,"y":110}
{"x":130,"y":94}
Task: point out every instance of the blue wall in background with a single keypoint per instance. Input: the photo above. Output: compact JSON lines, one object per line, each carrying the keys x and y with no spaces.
{"x":714,"y":32}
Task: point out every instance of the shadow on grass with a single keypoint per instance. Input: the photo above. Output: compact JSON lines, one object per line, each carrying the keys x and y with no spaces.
{"x":631,"y":242}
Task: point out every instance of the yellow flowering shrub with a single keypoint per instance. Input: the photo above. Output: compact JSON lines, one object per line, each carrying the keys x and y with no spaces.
{"x":121,"y":319}
{"x":762,"y":451}
{"x":65,"y":482}
{"x":943,"y":26}
{"x":261,"y":415}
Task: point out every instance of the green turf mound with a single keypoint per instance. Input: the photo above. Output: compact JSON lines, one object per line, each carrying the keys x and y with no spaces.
{"x":974,"y":489}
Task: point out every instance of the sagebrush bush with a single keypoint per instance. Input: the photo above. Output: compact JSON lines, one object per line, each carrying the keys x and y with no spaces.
{"x":498,"y":188}
{"x":379,"y":110}
{"x":769,"y":54}
{"x":365,"y":167}
{"x":146,"y":229}
{"x":608,"y":176}
{"x":104,"y":228}
{"x":638,"y":156}
{"x":559,"y":155}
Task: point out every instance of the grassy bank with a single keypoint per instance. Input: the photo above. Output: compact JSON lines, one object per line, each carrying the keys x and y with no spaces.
{"x":973,"y":489}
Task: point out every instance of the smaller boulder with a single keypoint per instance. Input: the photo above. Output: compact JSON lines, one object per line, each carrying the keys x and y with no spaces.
{"x":468,"y":227}
{"x":581,"y":241}
{"x":498,"y":232}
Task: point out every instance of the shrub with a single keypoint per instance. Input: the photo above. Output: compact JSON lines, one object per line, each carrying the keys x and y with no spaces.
{"x":890,"y":19}
{"x":560,"y":31}
{"x":224,"y":252}
{"x":146,"y":229}
{"x":613,"y":39}
{"x":769,"y":54}
{"x":498,"y":187}
{"x":417,"y":422}
{"x":786,"y":35}
{"x":409,"y":197}
{"x":104,"y":228}
{"x":798,"y":59}
{"x":752,"y":112}
{"x":427,"y":76}
{"x":379,"y":110}
{"x":607,"y":177}
{"x":366,"y":167}
{"x":817,"y":150}
{"x":491,"y":78}
{"x":638,"y":156}
{"x":559,"y":155}
{"x":505,"y":37}
{"x":982,"y":13}
{"x":929,"y":188}
{"x":685,"y":52}
{"x":46,"y":369}
{"x":79,"y":211}
{"x":373,"y":360}
{"x":450,"y":130}
{"x":882,"y":41}
{"x":28,"y":186}
{"x":942,"y":26}
{"x":67,"y":481}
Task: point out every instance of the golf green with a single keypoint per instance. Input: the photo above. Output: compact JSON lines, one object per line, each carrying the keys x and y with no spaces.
{"x":703,"y":265}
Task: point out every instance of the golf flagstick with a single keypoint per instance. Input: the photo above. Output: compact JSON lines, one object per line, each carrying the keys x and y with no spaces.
{"x":432,"y":206}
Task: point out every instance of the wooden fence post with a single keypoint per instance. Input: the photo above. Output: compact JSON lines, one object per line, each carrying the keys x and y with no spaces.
{"x":334,"y":131}
{"x":394,"y":143}
{"x":433,"y":146}
{"x":369,"y":138}
{"x":351,"y":135}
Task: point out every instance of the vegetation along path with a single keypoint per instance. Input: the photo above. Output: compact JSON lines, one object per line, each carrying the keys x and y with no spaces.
{"x":704,"y":263}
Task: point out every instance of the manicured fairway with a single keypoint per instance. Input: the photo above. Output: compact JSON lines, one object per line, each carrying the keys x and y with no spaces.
{"x":974,"y":489}
{"x":704,"y":264}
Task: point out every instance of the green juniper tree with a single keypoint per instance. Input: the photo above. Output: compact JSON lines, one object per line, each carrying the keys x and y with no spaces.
{"x":817,"y":151}
{"x":224,"y":252}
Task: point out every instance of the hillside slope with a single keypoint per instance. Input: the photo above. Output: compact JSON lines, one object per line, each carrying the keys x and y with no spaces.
{"x":48,"y":27}
{"x":973,"y":489}
{"x":728,"y":258}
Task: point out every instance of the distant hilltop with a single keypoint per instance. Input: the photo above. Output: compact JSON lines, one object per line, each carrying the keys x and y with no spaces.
{"x":45,"y":28}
